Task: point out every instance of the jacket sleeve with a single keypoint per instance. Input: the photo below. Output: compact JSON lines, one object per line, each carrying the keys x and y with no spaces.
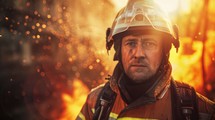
{"x":206,"y":108}
{"x":88,"y":109}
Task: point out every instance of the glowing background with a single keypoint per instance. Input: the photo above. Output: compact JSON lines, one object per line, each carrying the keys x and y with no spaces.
{"x":53,"y":52}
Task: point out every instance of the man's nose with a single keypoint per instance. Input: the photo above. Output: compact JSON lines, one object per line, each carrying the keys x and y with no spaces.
{"x":139,"y":52}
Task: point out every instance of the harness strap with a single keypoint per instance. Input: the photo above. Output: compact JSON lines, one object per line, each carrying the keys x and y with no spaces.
{"x":184,"y":102}
{"x":104,"y":103}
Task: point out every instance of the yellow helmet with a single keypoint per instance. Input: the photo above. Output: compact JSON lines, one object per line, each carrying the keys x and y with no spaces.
{"x":139,"y":16}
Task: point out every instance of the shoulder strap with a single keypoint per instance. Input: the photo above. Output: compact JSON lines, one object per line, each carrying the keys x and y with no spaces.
{"x":184,"y":101}
{"x":104,"y":103}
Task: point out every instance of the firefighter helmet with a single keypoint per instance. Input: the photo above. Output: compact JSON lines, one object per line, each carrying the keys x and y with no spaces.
{"x":140,"y":16}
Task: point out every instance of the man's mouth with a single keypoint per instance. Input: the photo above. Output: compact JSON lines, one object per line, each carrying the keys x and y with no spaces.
{"x":138,"y":65}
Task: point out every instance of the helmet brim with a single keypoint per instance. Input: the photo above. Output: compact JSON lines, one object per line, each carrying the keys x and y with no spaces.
{"x":140,"y":30}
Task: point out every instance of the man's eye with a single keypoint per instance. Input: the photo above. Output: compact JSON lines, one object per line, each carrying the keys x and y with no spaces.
{"x":149,"y":45}
{"x":131,"y":44}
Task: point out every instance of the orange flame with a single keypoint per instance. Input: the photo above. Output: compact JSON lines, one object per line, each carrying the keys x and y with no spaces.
{"x":186,"y":64}
{"x":74,"y":103}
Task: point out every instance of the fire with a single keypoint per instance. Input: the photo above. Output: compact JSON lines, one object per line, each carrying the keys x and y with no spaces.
{"x":66,"y":39}
{"x":173,"y":5}
{"x":119,"y":3}
{"x":74,"y":102}
{"x":169,"y":5}
{"x":186,"y":64}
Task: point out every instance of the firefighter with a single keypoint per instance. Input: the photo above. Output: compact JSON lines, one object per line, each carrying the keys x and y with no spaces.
{"x":142,"y":86}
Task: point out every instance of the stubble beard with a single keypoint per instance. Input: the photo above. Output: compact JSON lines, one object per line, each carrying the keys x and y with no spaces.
{"x":140,"y":75}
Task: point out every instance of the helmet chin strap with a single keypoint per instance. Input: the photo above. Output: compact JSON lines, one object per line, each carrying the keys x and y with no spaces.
{"x":109,"y":42}
{"x":176,"y":42}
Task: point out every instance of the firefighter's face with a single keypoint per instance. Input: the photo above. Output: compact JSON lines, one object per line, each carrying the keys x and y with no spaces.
{"x":141,"y":56}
